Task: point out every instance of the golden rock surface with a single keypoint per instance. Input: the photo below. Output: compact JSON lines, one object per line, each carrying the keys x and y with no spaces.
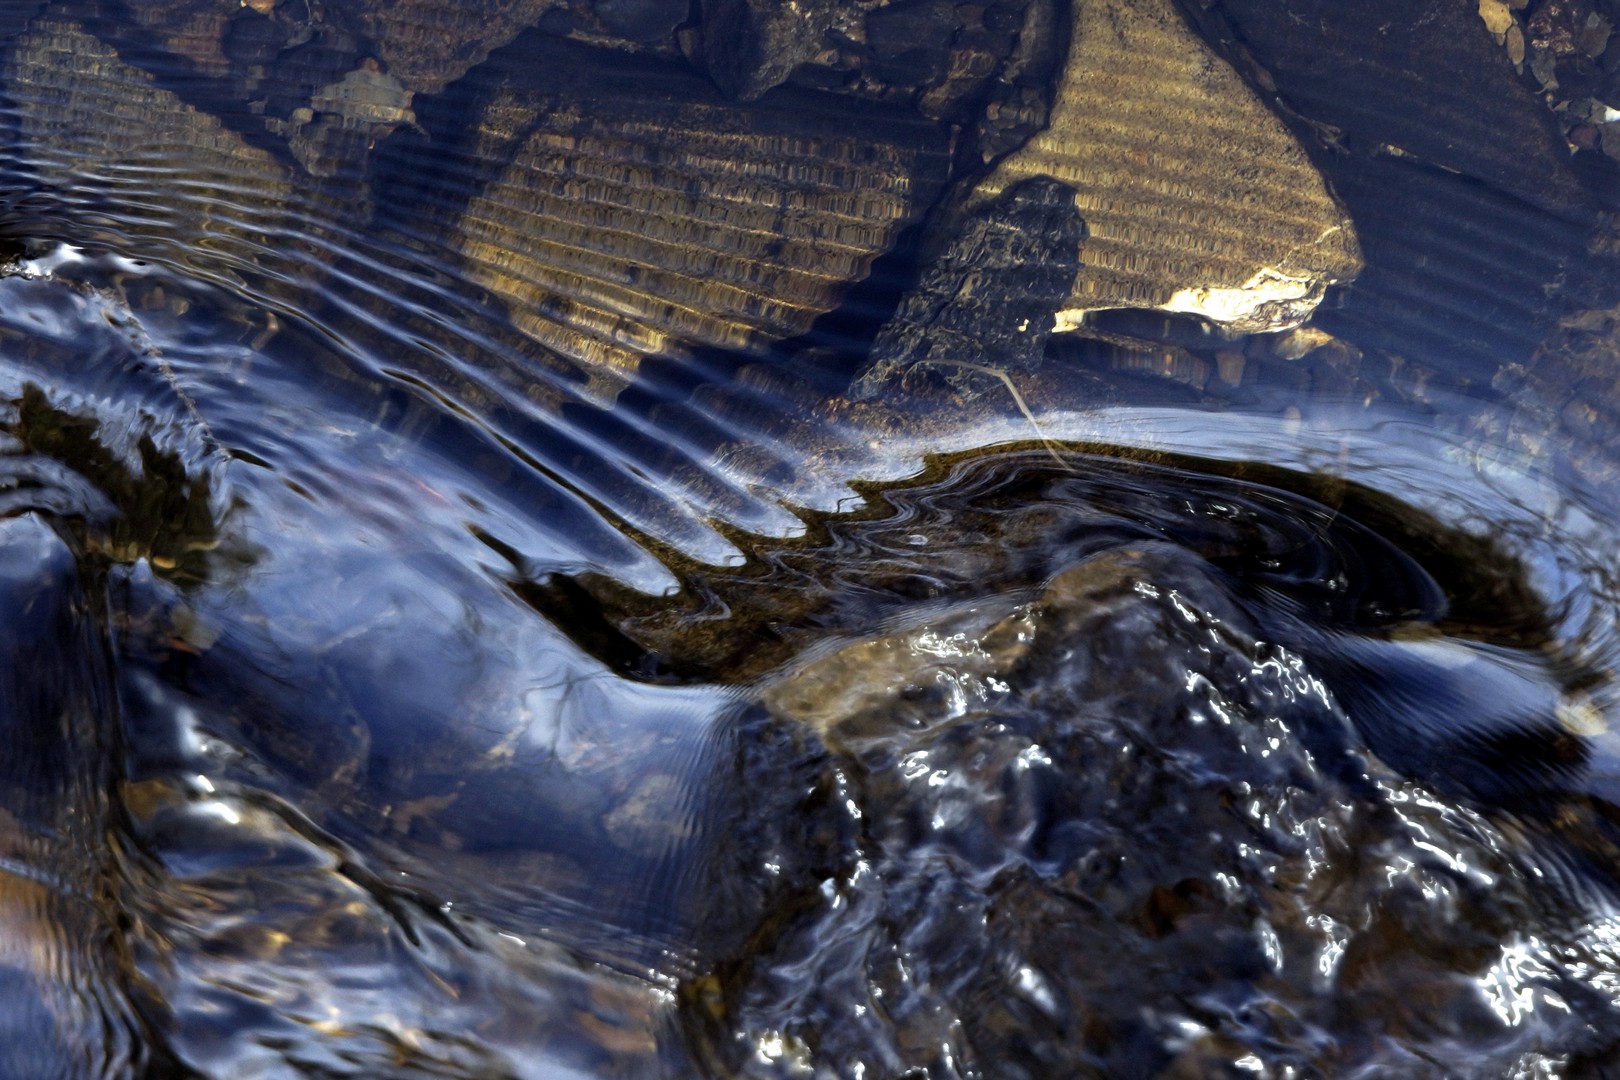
{"x":1196,"y":197}
{"x":632,"y":224}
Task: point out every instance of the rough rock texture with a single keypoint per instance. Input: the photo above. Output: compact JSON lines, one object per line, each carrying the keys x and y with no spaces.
{"x":988,"y":300}
{"x":1112,"y":830}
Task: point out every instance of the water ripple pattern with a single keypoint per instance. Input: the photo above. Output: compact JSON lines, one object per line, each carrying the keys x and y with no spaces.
{"x":639,"y":539}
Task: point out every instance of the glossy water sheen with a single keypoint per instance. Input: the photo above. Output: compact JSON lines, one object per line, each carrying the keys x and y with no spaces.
{"x":432,"y":649}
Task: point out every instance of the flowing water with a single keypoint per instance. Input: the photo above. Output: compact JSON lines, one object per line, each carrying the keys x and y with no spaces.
{"x":561,"y":538}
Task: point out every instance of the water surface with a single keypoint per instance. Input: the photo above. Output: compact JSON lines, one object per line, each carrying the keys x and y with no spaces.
{"x":539,"y":541}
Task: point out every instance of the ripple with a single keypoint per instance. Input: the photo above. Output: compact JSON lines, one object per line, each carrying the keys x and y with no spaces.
{"x":463,"y":624}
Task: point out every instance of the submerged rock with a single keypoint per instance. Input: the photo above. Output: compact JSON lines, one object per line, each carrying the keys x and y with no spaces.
{"x":656,"y":217}
{"x":987,"y":302}
{"x":1111,"y":830}
{"x":1107,"y":770}
{"x":1196,"y":197}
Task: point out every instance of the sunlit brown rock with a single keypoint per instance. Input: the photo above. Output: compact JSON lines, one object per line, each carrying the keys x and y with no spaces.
{"x":1196,"y":198}
{"x":642,"y":214}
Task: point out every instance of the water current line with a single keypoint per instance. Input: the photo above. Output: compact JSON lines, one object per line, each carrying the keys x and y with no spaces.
{"x":1018,"y":400}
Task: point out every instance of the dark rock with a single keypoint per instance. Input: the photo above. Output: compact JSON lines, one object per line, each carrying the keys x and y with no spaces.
{"x":252,"y":38}
{"x":912,"y":40}
{"x":988,"y":300}
{"x":1474,"y":225}
{"x":750,"y":46}
{"x":1103,"y":830}
{"x":1358,"y":68}
{"x":642,"y":20}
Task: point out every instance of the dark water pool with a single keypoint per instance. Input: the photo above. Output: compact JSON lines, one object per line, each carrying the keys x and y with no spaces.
{"x":868,"y":538}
